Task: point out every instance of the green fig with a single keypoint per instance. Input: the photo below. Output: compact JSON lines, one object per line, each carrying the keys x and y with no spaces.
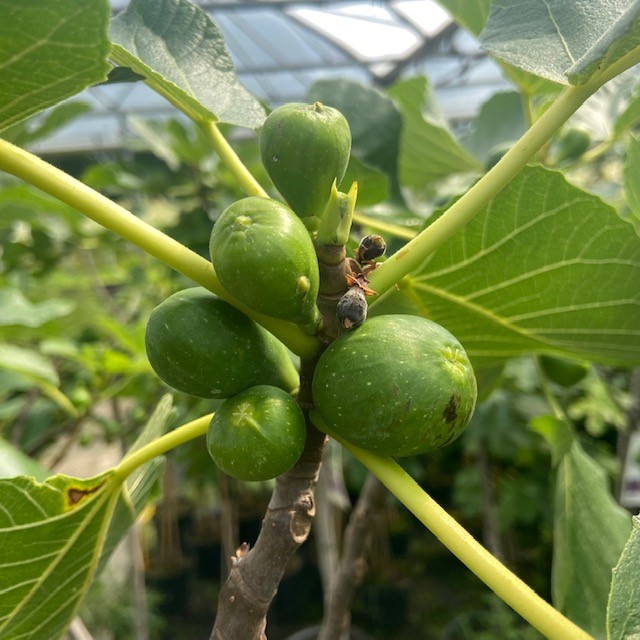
{"x":264,"y":256}
{"x":201,"y":345}
{"x":258,"y":434}
{"x":398,"y":385}
{"x":305,"y":147}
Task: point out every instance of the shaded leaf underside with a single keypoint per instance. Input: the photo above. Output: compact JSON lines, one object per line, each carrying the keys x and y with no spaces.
{"x":566,"y":41}
{"x":181,"y":52}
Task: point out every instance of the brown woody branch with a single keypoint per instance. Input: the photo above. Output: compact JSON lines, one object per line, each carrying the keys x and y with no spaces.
{"x":256,"y":573}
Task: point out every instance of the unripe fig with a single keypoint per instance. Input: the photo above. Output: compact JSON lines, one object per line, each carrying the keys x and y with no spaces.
{"x":201,"y":345}
{"x":398,"y":385}
{"x":264,"y":257}
{"x":258,"y":434}
{"x":305,"y":147}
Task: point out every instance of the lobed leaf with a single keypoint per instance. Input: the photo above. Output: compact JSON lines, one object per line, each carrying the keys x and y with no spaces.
{"x":50,"y":536}
{"x":49,"y":51}
{"x":623,"y":610}
{"x":565,"y":41}
{"x":473,"y":17}
{"x":55,"y":535}
{"x":428,"y":149}
{"x":176,"y":46}
{"x":544,"y":268}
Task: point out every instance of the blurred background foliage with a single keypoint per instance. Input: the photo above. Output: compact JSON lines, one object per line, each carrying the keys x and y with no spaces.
{"x":74,"y":301}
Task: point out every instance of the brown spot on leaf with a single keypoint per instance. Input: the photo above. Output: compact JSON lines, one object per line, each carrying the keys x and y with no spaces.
{"x":76,"y":495}
{"x":450,"y":412}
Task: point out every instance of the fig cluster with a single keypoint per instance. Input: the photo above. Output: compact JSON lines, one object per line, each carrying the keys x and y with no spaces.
{"x":398,"y":385}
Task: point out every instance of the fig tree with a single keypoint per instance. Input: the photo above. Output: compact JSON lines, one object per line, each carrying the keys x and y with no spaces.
{"x":264,"y":256}
{"x":201,"y":345}
{"x":398,"y":385}
{"x":305,"y":147}
{"x":258,"y":434}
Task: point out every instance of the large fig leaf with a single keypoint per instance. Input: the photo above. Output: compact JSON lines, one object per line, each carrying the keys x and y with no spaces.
{"x":590,"y":530}
{"x":54,"y":534}
{"x":470,"y":15}
{"x":428,"y":148}
{"x":49,"y":51}
{"x":545,"y":267}
{"x":176,"y":46}
{"x":473,"y":16}
{"x":623,"y":611}
{"x":566,"y":41}
{"x":50,"y":536}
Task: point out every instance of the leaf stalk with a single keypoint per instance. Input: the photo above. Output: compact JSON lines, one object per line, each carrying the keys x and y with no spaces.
{"x":413,"y":254}
{"x":116,"y":218}
{"x":161,"y":445}
{"x":505,"y":584}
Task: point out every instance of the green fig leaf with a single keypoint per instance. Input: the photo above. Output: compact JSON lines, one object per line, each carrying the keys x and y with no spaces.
{"x":544,"y":268}
{"x":49,"y":51}
{"x":56,"y":534}
{"x":566,"y":41}
{"x":428,"y":149}
{"x":157,"y":39}
{"x":590,"y":531}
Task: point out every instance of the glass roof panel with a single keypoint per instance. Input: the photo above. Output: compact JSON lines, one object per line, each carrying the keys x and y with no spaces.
{"x":369,"y":33}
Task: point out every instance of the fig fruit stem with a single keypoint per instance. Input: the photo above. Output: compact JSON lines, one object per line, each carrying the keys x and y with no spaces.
{"x":225,"y":151}
{"x":413,"y":254}
{"x":505,"y":584}
{"x":112,"y":216}
{"x":161,"y":445}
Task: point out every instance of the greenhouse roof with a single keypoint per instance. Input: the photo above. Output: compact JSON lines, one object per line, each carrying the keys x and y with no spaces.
{"x":280,"y":48}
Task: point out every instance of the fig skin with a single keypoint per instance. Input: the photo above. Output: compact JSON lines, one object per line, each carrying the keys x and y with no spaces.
{"x":398,"y":385}
{"x":201,"y":345}
{"x":264,"y":256}
{"x":258,"y":434}
{"x":304,"y":148}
